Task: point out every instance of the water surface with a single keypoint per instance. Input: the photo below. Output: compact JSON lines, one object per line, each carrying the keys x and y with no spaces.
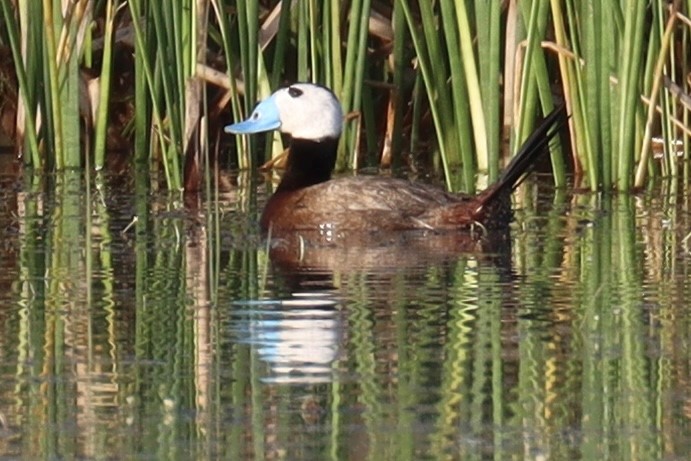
{"x":182,"y":335}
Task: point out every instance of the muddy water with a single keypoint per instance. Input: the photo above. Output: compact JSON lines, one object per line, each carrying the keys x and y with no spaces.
{"x":136,"y":326}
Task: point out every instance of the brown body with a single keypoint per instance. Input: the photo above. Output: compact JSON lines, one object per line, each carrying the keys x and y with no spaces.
{"x":307,"y":199}
{"x":378,"y":203}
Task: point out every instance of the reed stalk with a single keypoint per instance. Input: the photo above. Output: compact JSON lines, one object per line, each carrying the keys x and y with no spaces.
{"x":400,"y":87}
{"x":472,"y":81}
{"x":25,"y":80}
{"x":458,"y":42}
{"x":534,"y":84}
{"x":356,"y":51}
{"x":145,"y":95}
{"x":53,"y":114}
{"x":489,"y":72}
{"x":628,"y":93}
{"x":643,"y":164}
{"x":101,"y":133}
{"x":434,"y":83}
{"x":46,"y":63}
{"x":304,"y":43}
{"x":169,"y":43}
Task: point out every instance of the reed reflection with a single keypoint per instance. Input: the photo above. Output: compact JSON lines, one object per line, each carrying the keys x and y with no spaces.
{"x":559,"y":341}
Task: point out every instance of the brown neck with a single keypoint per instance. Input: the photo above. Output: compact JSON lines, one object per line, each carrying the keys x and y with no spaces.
{"x":309,"y":163}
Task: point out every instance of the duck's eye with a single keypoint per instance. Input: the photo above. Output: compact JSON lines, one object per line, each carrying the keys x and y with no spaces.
{"x":255,"y":116}
{"x":294,"y":92}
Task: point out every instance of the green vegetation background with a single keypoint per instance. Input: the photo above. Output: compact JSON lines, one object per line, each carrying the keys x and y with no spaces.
{"x":447,"y":82}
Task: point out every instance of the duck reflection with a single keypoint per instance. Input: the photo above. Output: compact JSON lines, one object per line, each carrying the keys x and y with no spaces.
{"x":321,"y":252}
{"x":298,"y":338}
{"x":301,"y":335}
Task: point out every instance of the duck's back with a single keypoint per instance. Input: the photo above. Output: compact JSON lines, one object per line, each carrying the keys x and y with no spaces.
{"x":363,"y":203}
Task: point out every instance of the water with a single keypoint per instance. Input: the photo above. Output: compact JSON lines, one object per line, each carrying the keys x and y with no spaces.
{"x":181,"y":335}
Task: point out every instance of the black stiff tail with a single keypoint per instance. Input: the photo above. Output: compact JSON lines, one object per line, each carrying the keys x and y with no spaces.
{"x":525,"y":160}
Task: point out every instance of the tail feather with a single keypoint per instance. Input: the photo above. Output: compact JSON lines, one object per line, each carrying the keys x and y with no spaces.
{"x":525,"y":160}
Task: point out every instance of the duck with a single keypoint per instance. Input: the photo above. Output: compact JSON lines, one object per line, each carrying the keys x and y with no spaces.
{"x":308,"y":198}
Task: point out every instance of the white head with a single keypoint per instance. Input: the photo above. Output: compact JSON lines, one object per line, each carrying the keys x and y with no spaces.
{"x":302,"y":110}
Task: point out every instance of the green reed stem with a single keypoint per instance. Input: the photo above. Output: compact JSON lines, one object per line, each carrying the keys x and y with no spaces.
{"x":223,"y":20}
{"x":314,"y":41}
{"x":399,"y":70}
{"x":303,"y":40}
{"x":30,"y":128}
{"x":100,"y":136}
{"x":644,"y":157}
{"x":68,"y":56}
{"x":53,"y":89}
{"x":248,"y":12}
{"x":175,"y":31}
{"x":534,"y":79}
{"x":472,"y":80}
{"x":163,"y":59}
{"x":601,"y":55}
{"x":355,"y":92}
{"x":281,"y":44}
{"x":327,"y":54}
{"x":142,"y":103}
{"x":628,"y":100}
{"x":458,"y":110}
{"x":336,"y":53}
{"x":541,"y":83}
{"x":489,"y":59}
{"x":586,"y":151}
{"x":430,"y":81}
{"x":664,"y":22}
{"x":598,"y":164}
{"x":435,"y":74}
{"x":350,"y":56}
{"x":249,"y":59}
{"x":416,"y":97}
{"x":143,"y":51}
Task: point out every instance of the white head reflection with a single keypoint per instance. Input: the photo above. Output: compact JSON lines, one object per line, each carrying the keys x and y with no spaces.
{"x":298,"y":338}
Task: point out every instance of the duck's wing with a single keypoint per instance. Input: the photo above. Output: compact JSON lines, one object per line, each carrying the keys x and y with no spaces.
{"x":359,"y":203}
{"x":386,"y":194}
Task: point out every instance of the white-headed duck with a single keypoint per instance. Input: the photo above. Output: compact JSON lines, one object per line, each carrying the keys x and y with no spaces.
{"x":307,"y":199}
